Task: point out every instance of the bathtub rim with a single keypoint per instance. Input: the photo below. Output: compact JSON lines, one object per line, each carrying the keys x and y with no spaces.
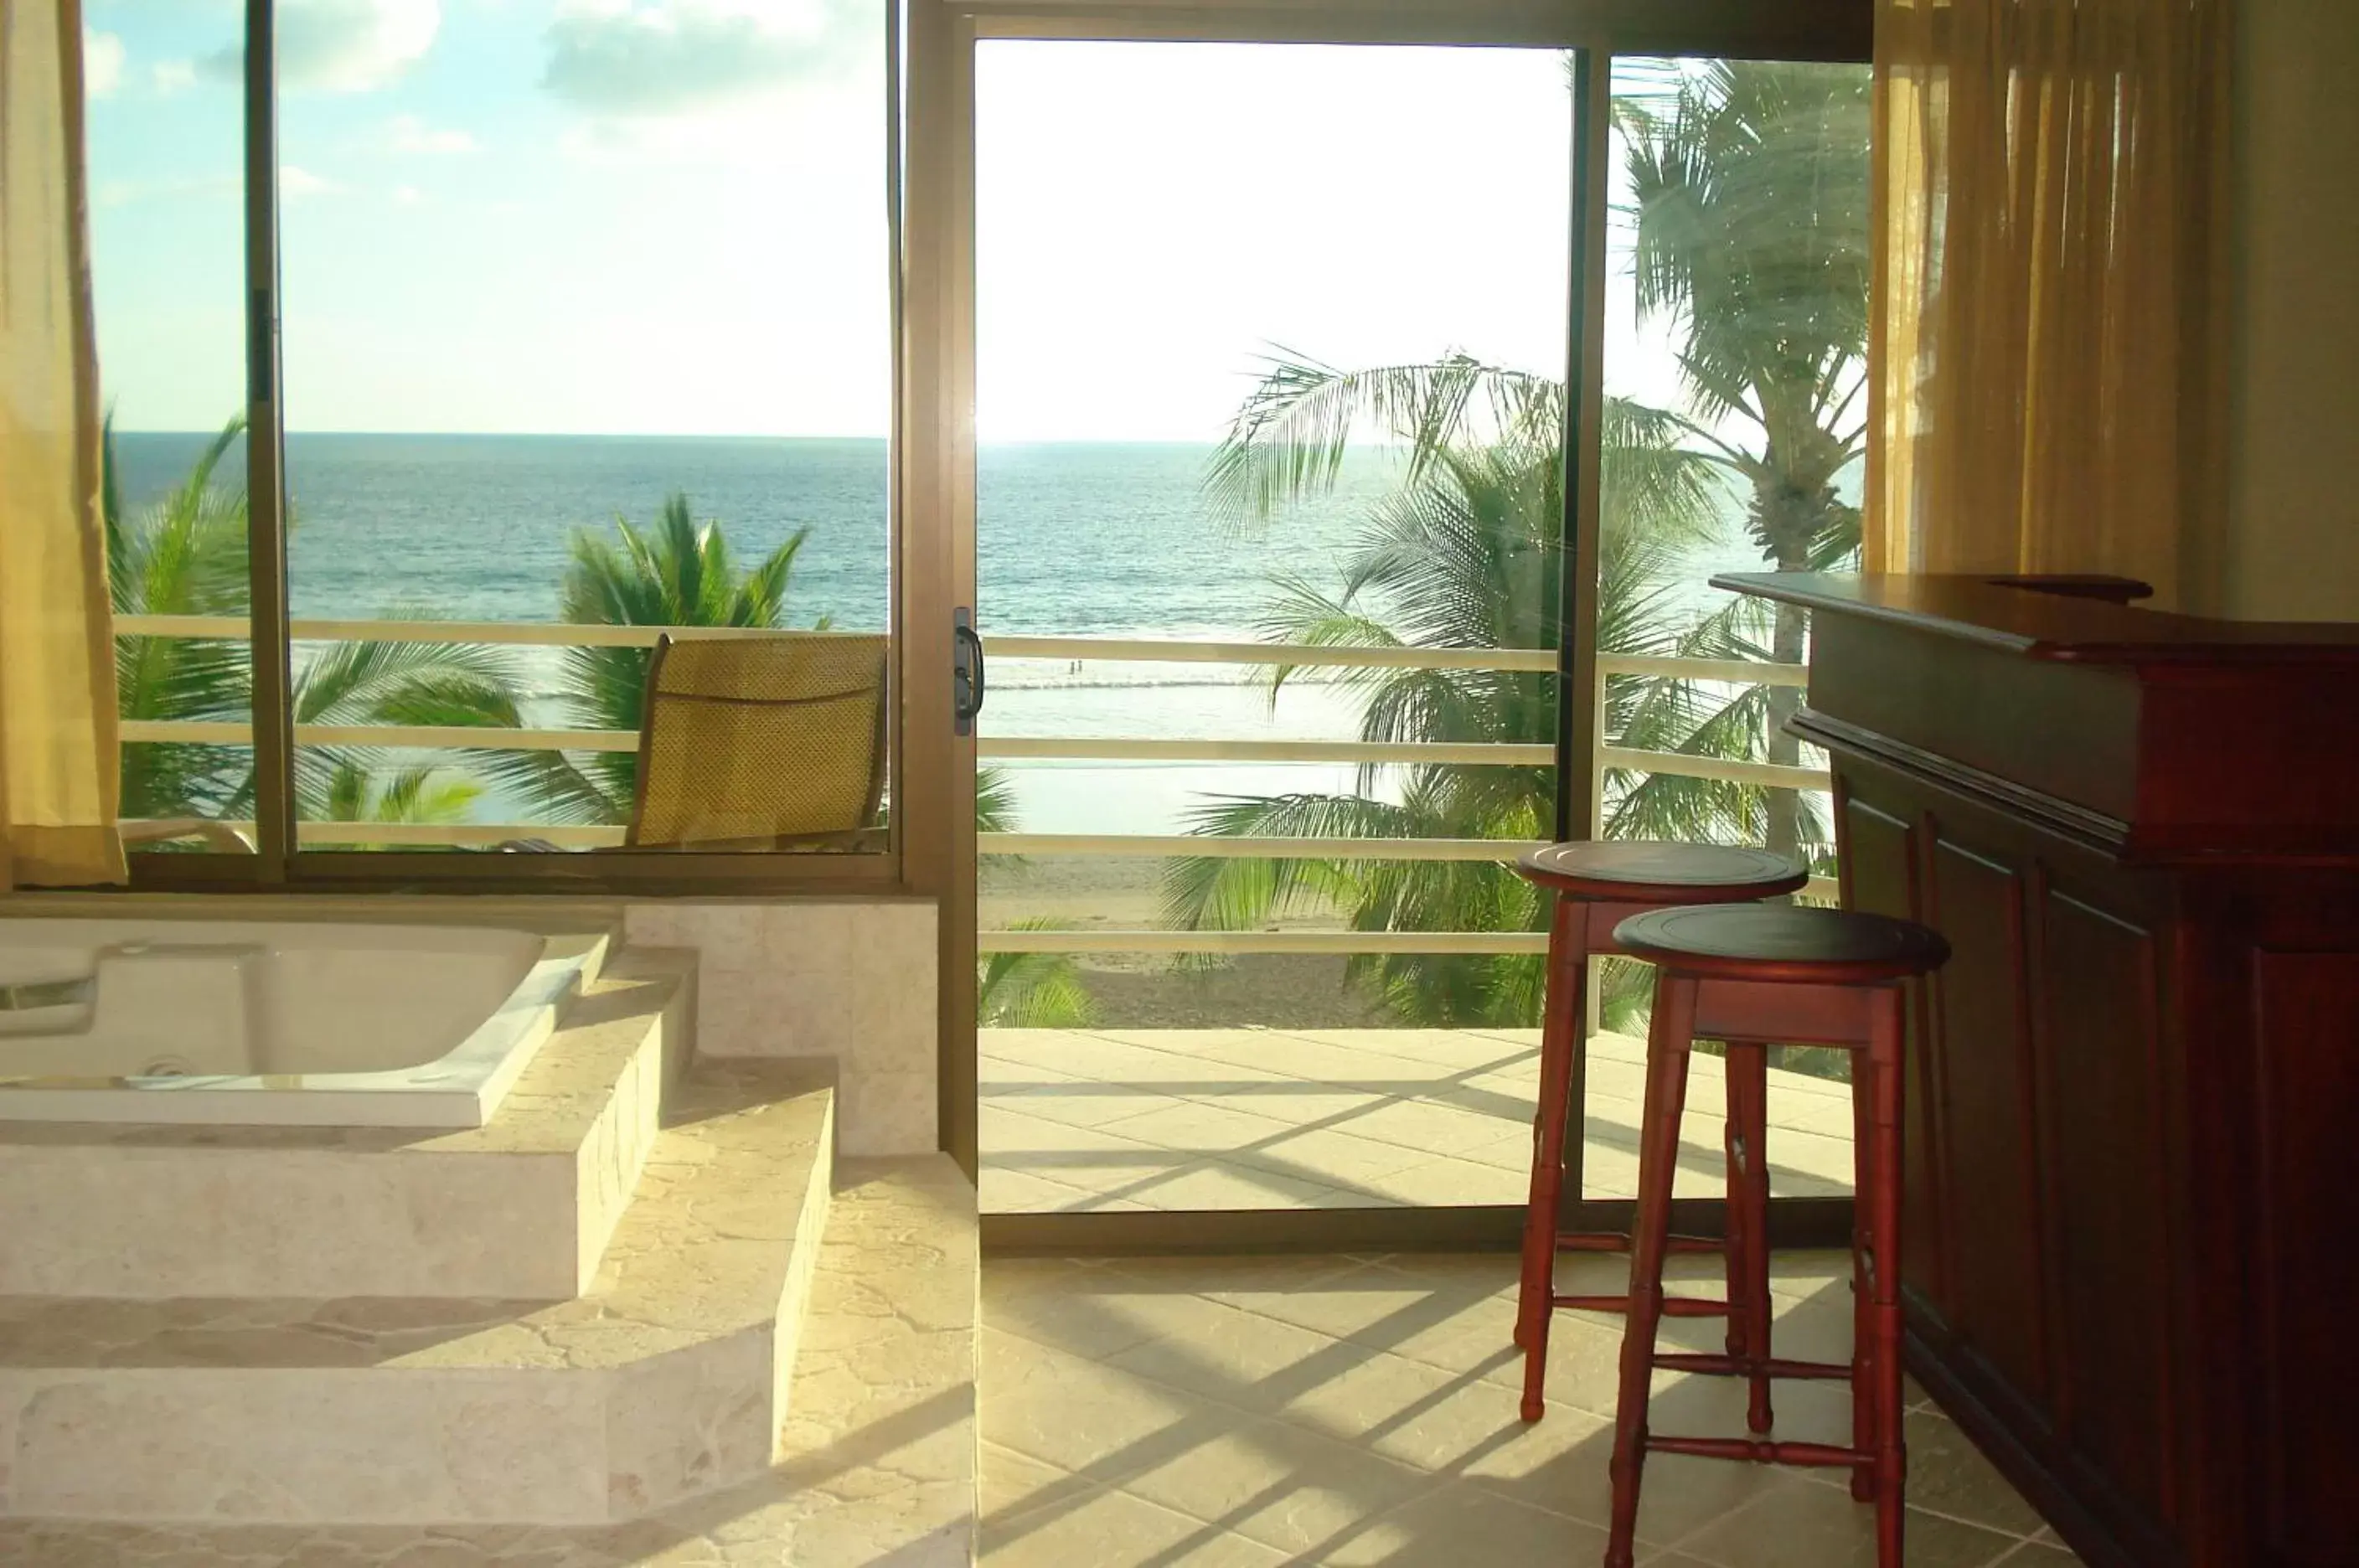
{"x":461,"y":1089}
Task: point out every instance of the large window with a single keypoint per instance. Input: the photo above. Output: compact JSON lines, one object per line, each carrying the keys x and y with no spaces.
{"x":586,"y":343}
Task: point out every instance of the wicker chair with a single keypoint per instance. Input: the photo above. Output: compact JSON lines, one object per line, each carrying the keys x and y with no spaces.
{"x":773,"y":743}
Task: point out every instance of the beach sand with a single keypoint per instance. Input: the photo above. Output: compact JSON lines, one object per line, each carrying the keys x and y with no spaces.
{"x":1155,"y":990}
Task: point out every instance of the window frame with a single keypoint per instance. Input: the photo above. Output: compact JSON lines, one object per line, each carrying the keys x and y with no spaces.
{"x":278,"y":865}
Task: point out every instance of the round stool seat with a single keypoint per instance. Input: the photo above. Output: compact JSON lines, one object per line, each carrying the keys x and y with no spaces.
{"x":1778,"y":941}
{"x":1638,"y":872}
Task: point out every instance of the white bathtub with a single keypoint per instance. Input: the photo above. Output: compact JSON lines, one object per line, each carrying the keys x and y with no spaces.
{"x":320,"y":1024}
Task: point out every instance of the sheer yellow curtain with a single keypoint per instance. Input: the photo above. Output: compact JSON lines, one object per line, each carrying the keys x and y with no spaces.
{"x":2047,"y":319}
{"x":58,"y":759}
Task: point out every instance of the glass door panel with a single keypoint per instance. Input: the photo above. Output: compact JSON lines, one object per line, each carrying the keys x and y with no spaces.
{"x":587,"y":343}
{"x":1271,"y":351}
{"x":168,"y":260}
{"x":1735,"y":348}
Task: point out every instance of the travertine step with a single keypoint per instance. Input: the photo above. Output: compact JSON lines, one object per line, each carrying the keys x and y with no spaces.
{"x":879,"y":1464}
{"x":665,"y":1379}
{"x":517,"y":1208}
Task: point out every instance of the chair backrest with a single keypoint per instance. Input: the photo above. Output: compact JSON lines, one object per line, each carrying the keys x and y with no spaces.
{"x":762,"y":743}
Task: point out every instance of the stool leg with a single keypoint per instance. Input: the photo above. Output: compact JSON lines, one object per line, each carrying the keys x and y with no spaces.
{"x":1863,"y":1298}
{"x":1748,"y":1278}
{"x":1884,"y":1258}
{"x":1566,"y":979}
{"x":1658,"y":1155}
{"x":1736,"y":1233}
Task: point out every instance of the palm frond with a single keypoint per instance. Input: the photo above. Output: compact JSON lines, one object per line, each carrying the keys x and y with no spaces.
{"x":1288,"y":441}
{"x":1033,"y":990}
{"x":679,"y":573}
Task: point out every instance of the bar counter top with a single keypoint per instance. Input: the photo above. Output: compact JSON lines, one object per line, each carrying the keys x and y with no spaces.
{"x":2069,"y":620}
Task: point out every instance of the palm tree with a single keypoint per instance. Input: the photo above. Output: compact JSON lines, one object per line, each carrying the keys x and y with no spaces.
{"x":185,"y":554}
{"x":394,"y":683}
{"x":678,"y":572}
{"x":1749,"y":186}
{"x":1024,"y":990}
{"x":1466,"y":554}
{"x":1032,"y":990}
{"x":355,"y":793}
{"x":1749,"y":207}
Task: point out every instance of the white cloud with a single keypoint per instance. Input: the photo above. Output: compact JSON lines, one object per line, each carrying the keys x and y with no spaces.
{"x":408,"y":195}
{"x":654,"y":57}
{"x":296,"y":183}
{"x":408,"y":134}
{"x":102,"y":64}
{"x":342,"y":46}
{"x":170,"y":76}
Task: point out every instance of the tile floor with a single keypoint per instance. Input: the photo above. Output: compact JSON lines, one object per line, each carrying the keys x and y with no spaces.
{"x":1228,"y":1413}
{"x":1254,"y":1118}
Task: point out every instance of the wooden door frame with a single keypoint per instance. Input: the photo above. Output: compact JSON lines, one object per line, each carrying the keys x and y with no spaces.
{"x":937,"y":488}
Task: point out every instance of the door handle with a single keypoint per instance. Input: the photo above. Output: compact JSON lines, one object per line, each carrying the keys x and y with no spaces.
{"x":967,"y":676}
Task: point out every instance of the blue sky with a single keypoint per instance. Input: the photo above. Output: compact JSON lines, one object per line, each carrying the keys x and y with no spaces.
{"x":503,"y":216}
{"x":667,"y":216}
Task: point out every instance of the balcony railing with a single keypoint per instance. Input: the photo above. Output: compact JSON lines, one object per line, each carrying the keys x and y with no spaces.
{"x":1088,"y":649}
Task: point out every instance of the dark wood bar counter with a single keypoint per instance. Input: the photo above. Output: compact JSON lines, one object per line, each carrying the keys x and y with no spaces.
{"x":2132,"y":1208}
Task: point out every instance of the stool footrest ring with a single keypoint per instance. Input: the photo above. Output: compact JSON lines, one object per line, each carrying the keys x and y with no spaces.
{"x":1821,"y":1455}
{"x":1614,"y":1241}
{"x":1751,"y":1367}
{"x":1673,"y":1306}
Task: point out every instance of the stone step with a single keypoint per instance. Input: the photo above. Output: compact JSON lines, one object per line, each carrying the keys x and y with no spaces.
{"x":877,"y":1461}
{"x":665,"y":1379}
{"x":517,"y":1208}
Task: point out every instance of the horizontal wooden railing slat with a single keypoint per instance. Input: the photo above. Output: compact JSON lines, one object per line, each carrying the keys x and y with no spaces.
{"x":1769,"y":775}
{"x":1159,"y":846}
{"x":1149,"y":651}
{"x":422,"y":737}
{"x":1296,"y":941}
{"x":489,"y":737}
{"x":1362,"y":752}
{"x":1183,"y":650}
{"x":433,"y":836}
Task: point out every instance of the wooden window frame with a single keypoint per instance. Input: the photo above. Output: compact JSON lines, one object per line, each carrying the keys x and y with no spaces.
{"x":916,"y":691}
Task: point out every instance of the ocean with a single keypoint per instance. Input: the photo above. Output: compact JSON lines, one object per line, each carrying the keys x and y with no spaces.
{"x":1079,"y":539}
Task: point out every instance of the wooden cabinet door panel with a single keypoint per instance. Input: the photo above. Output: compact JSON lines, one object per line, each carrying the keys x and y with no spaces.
{"x":2305,"y":1258}
{"x":2100,"y":1062}
{"x":1880,"y":876}
{"x":1981,"y":1004}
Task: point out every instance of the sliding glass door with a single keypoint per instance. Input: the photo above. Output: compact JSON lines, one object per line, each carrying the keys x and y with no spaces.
{"x":1350,"y":445}
{"x":1271,"y":538}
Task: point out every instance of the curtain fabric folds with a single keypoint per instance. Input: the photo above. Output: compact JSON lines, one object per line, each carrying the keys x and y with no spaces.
{"x":58,"y":763}
{"x":2046,"y":321}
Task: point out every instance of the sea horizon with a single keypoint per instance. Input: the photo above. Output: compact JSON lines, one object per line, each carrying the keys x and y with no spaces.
{"x":1073,"y":538}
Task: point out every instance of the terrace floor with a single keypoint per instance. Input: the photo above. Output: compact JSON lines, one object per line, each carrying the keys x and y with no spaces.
{"x":1340,"y":1411}
{"x":1257,"y":1118}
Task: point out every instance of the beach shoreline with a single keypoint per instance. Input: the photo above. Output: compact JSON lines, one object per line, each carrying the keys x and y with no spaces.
{"x":1156,"y":990}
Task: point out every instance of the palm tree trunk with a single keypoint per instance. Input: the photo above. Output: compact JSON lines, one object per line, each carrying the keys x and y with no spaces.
{"x":1788,"y":528}
{"x":1789,"y":643}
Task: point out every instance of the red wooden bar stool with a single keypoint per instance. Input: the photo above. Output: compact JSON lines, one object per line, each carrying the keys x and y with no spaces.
{"x":1752,"y":974}
{"x":1597,"y":886}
